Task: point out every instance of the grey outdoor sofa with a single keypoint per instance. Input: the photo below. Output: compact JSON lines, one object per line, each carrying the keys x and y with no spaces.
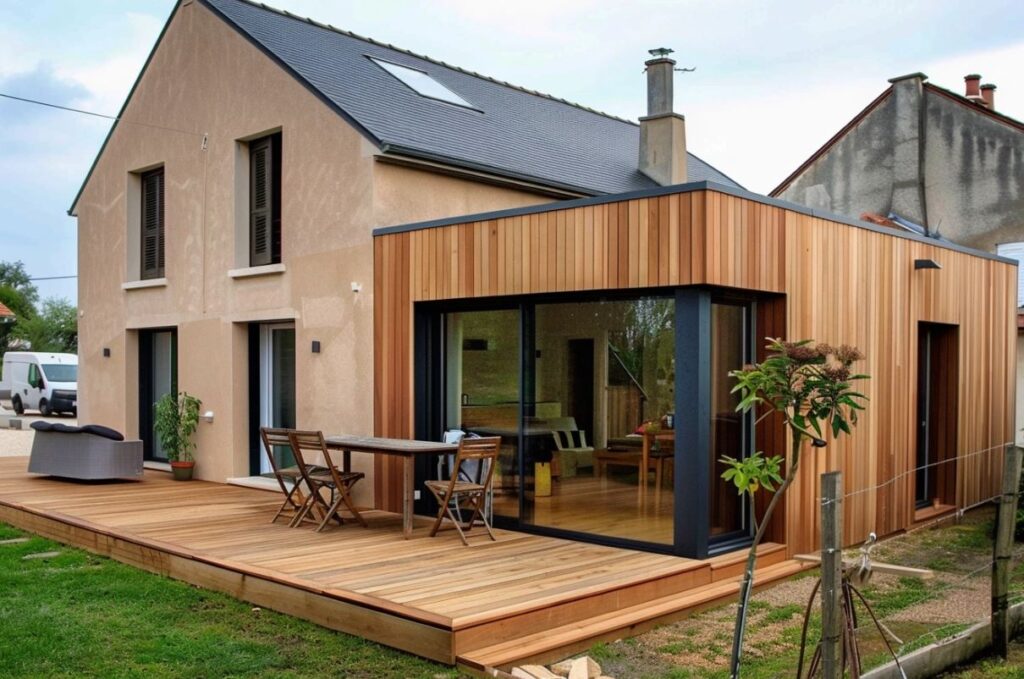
{"x":88,"y":453}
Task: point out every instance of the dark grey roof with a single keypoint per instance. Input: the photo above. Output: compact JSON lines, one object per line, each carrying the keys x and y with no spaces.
{"x":515,"y":132}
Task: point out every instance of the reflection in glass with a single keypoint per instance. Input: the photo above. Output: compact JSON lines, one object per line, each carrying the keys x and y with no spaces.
{"x":604,"y":373}
{"x":728,"y":427}
{"x":482,"y":390}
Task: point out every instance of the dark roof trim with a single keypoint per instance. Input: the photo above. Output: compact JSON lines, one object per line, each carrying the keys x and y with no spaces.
{"x":446,"y":168}
{"x":831,"y":142}
{"x":978,"y":108}
{"x":394,"y":149}
{"x":124,"y":106}
{"x":685,"y":188}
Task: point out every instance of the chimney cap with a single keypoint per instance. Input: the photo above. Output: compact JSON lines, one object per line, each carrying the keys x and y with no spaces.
{"x":988,"y":86}
{"x":660,"y":52}
{"x":972,"y":76}
{"x":909,"y":76}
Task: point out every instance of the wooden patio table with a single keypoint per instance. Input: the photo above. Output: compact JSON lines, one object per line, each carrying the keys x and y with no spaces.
{"x":406,"y":449}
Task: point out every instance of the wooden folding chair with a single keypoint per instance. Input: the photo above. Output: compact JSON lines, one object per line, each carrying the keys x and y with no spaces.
{"x":455,"y":494}
{"x":338,"y":482}
{"x":290,"y":478}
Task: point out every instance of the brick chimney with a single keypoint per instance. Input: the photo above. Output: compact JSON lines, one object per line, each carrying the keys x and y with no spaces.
{"x":971,"y":83}
{"x":662,"y":131}
{"x":988,"y":96}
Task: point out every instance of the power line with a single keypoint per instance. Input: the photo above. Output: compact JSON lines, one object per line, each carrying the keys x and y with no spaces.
{"x":37,"y":102}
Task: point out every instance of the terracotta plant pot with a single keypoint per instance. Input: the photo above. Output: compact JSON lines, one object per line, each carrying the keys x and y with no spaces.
{"x":182,"y":470}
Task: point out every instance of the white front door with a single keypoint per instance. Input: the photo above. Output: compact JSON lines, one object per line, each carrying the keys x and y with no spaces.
{"x":277,"y":384}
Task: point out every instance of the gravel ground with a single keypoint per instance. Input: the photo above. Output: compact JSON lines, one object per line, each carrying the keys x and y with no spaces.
{"x":15,"y":442}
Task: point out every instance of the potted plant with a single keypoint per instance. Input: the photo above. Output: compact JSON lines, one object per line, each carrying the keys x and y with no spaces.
{"x":177,"y":416}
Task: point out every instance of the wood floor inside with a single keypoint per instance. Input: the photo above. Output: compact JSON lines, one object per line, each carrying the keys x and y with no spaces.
{"x":523,"y":596}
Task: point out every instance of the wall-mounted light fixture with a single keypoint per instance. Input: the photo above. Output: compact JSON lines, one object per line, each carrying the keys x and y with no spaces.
{"x":357,"y":287}
{"x":926,"y":264}
{"x":316,"y":346}
{"x":106,"y":352}
{"x":208,"y":416}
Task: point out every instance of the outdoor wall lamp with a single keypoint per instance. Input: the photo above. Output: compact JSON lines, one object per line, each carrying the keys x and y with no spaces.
{"x":208,"y":416}
{"x":926,"y":264}
{"x":316,"y":346}
{"x":357,"y":287}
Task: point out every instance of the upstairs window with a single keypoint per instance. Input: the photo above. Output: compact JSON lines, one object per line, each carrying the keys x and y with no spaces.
{"x":265,"y":200}
{"x":151,"y":222}
{"x":421,"y":83}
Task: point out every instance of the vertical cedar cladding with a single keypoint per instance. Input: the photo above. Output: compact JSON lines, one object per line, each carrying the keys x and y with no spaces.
{"x":152,"y":221}
{"x":265,"y":200}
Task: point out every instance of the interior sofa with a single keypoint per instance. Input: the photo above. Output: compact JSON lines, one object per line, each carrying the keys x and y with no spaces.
{"x":87,"y":453}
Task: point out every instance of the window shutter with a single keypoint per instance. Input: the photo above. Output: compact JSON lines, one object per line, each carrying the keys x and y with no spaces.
{"x":152,"y":224}
{"x":261,"y":199}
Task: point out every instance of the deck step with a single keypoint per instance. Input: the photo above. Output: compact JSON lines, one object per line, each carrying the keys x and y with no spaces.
{"x":554,"y":643}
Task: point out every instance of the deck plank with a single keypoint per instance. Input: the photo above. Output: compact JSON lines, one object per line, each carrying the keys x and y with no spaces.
{"x":416,"y":594}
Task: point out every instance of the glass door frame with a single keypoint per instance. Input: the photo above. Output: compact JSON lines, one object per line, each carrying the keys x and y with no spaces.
{"x":691,"y":520}
{"x":146,"y":382}
{"x":265,"y":392}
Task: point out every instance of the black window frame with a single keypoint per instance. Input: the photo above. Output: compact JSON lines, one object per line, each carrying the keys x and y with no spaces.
{"x":691,"y":520}
{"x":265,"y":200}
{"x":152,"y":224}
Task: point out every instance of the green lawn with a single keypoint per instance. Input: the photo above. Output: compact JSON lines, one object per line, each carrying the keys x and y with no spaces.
{"x":77,"y":614}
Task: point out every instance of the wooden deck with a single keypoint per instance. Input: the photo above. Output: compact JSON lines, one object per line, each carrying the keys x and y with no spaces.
{"x":490,"y":604}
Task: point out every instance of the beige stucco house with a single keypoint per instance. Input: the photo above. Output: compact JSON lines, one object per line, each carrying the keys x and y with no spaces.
{"x":225,"y":228}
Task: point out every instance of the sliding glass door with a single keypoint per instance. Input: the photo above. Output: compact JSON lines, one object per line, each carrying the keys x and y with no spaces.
{"x":482,"y":377}
{"x":586,"y":393}
{"x":603,"y":377}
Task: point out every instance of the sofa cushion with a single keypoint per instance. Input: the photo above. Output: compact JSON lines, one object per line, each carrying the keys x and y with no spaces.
{"x":96,"y":429}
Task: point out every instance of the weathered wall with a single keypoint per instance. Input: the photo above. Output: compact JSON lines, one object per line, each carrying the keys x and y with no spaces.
{"x":856,"y":174}
{"x":972,"y":189}
{"x":974,"y":175}
{"x":206,"y":78}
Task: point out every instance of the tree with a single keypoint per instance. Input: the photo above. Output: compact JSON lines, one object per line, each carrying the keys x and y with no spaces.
{"x":54,"y":328}
{"x":22,"y":308}
{"x":13,"y":275}
{"x":809,"y":385}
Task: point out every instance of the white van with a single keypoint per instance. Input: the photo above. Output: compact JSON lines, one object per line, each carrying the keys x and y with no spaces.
{"x":38,"y":381}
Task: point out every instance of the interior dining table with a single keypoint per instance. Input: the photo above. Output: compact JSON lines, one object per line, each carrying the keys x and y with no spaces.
{"x":406,"y":449}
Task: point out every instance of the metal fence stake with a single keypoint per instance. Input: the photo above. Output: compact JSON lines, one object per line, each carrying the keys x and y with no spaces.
{"x":1006,"y":518}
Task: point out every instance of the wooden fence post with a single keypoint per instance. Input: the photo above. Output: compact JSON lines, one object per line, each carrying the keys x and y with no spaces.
{"x":831,"y":575}
{"x":1006,"y":519}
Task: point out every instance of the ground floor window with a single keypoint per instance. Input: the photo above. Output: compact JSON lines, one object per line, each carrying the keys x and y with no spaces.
{"x":586,"y":393}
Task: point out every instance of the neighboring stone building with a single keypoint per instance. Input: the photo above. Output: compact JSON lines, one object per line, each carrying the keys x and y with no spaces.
{"x":923,"y":158}
{"x":948,"y":162}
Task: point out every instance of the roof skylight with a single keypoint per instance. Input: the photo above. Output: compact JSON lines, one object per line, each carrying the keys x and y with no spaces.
{"x":421,"y":83}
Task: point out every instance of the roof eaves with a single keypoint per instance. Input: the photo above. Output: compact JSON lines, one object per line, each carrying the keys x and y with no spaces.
{"x":977,"y":107}
{"x":377,"y":43}
{"x":120,"y":113}
{"x":398,"y":150}
{"x":831,"y":142}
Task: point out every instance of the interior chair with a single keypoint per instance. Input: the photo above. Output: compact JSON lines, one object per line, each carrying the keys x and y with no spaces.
{"x":289,"y":478}
{"x":305,"y":444}
{"x":571,"y":449}
{"x":455,"y":494}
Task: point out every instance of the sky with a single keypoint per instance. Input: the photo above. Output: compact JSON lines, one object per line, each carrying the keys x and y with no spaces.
{"x":774,"y":80}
